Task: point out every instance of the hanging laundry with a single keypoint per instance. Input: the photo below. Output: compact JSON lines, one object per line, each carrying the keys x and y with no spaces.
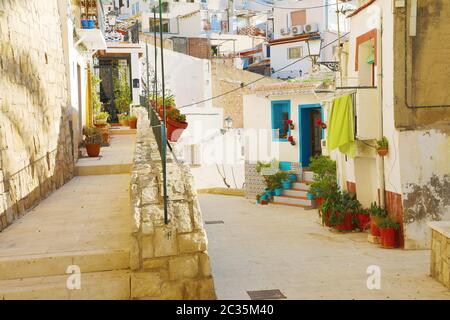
{"x":341,"y":128}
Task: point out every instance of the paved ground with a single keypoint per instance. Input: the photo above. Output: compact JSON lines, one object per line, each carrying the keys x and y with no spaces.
{"x":87,"y":213}
{"x":286,"y":248}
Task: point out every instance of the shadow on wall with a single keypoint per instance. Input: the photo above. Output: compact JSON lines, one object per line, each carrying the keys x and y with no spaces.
{"x":28,"y":128}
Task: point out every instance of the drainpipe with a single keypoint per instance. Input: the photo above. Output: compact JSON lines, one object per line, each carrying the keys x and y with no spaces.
{"x":381,"y":180}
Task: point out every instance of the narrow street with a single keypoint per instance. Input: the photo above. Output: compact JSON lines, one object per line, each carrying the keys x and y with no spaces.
{"x":286,"y":248}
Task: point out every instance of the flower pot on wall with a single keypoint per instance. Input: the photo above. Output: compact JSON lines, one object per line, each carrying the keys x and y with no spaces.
{"x":363,"y":221}
{"x":93,"y":150}
{"x":175,"y":129}
{"x":382,"y":151}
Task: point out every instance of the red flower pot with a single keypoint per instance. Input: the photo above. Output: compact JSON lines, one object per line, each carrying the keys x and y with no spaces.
{"x":93,"y":150}
{"x":319,"y":202}
{"x":374,"y":230}
{"x":175,"y":129}
{"x":388,"y":238}
{"x":347,"y":224}
{"x":382,"y":151}
{"x":363,"y":221}
{"x":264,"y":202}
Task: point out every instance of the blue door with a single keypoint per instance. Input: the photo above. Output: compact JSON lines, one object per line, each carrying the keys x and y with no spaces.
{"x":310,"y":134}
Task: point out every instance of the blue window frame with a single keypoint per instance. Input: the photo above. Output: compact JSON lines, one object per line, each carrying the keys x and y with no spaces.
{"x":281,"y":112}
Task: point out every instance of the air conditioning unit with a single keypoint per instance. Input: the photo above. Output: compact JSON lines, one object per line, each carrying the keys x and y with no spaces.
{"x":285,"y":31}
{"x":310,"y":28}
{"x":297,"y":30}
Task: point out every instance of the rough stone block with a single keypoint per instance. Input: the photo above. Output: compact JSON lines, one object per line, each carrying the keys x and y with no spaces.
{"x":206,"y":290}
{"x":184,"y":267}
{"x":149,"y":195}
{"x":147,"y":247}
{"x":172,"y":290}
{"x":192,"y":242}
{"x":156,"y":263}
{"x":165,"y":242}
{"x":197,"y":215}
{"x":204,"y":264}
{"x":145,"y":284}
{"x":180,"y":214}
{"x":134,"y":254}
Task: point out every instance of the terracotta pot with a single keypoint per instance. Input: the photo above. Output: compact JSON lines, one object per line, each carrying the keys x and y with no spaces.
{"x":100,"y":125}
{"x":93,"y":150}
{"x":382,"y":151}
{"x":388,"y":238}
{"x":132,"y":123}
{"x":175,"y":129}
{"x":346,"y":224}
{"x":161,"y":110}
{"x":374,"y":230}
{"x":363,"y":221}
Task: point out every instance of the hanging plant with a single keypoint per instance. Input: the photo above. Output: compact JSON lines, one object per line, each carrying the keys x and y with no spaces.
{"x":291,"y":124}
{"x":321,"y":124}
{"x":291,"y":140}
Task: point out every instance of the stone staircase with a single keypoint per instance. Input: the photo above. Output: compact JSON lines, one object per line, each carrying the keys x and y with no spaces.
{"x":297,"y":195}
{"x":104,"y":274}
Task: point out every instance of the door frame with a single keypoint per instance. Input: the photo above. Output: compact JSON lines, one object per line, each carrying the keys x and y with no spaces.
{"x":300,"y":127}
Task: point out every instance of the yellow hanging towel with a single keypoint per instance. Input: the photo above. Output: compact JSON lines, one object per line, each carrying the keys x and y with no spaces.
{"x":341,"y":129}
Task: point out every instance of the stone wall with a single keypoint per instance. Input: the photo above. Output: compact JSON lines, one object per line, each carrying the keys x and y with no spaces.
{"x":440,"y":257}
{"x":36,"y":151}
{"x":254,"y":181}
{"x":168,"y":261}
{"x":225,"y":77}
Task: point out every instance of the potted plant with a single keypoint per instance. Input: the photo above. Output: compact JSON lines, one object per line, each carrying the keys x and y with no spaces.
{"x":286,"y":184}
{"x":324,"y":182}
{"x":176,"y":123}
{"x":382,"y":146}
{"x":362,"y":219}
{"x":291,"y":124}
{"x":101,"y":119}
{"x":122,"y":92}
{"x":292,"y":177}
{"x":258,"y":198}
{"x":321,"y":124}
{"x":291,"y":140}
{"x":93,"y":139}
{"x":341,"y":216}
{"x":376,"y":215}
{"x":278,"y":189}
{"x":388,"y":232}
{"x":132,"y":122}
{"x":169,"y":103}
{"x":310,"y":196}
{"x":264,"y":199}
{"x":123,"y":120}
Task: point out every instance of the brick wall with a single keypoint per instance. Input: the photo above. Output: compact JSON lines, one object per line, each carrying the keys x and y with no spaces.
{"x":36,"y":153}
{"x":199,"y":47}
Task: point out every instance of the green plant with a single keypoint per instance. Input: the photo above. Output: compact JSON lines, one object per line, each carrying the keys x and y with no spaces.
{"x":387,"y":222}
{"x":92,"y":135}
{"x":258,"y":197}
{"x":102,"y":116}
{"x":132,"y":118}
{"x":376,"y":211}
{"x":96,"y":103}
{"x":383,"y":143}
{"x":123,"y":117}
{"x":324,"y":179}
{"x":175,"y":115}
{"x":122,"y":92}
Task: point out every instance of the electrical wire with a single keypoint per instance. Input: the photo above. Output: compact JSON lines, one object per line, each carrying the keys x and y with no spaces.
{"x":295,"y":8}
{"x":243,"y":85}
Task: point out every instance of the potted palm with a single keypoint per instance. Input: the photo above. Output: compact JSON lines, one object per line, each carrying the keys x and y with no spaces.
{"x":176,"y":123}
{"x":93,"y":139}
{"x":382,"y":146}
{"x":324,"y":182}
{"x":388,"y":232}
{"x":341,"y":217}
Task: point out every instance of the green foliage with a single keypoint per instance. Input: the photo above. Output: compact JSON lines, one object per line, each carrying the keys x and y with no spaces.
{"x":92,"y":135}
{"x":383,"y":143}
{"x":261,"y":164}
{"x":387,"y":222}
{"x":274,"y":181}
{"x":123,"y":117}
{"x":122,"y":92}
{"x":376,"y":211}
{"x":96,"y":103}
{"x":132,"y":118}
{"x":324,"y":180}
{"x":258,"y":197}
{"x":102,"y":116}
{"x":175,"y":115}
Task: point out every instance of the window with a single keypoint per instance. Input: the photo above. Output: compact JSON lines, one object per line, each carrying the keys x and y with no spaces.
{"x":165,"y":25}
{"x":295,"y":53}
{"x":280,"y":116}
{"x":298,"y":18}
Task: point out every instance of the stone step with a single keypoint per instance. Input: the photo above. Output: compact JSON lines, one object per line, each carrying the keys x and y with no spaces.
{"x":300,"y":201}
{"x":115,"y":131}
{"x":53,"y":264}
{"x":300,"y":186}
{"x":108,"y":285}
{"x":295,"y":192}
{"x":308,"y":175}
{"x":97,"y":170}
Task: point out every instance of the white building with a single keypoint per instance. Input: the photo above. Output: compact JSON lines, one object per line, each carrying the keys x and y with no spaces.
{"x":291,"y":24}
